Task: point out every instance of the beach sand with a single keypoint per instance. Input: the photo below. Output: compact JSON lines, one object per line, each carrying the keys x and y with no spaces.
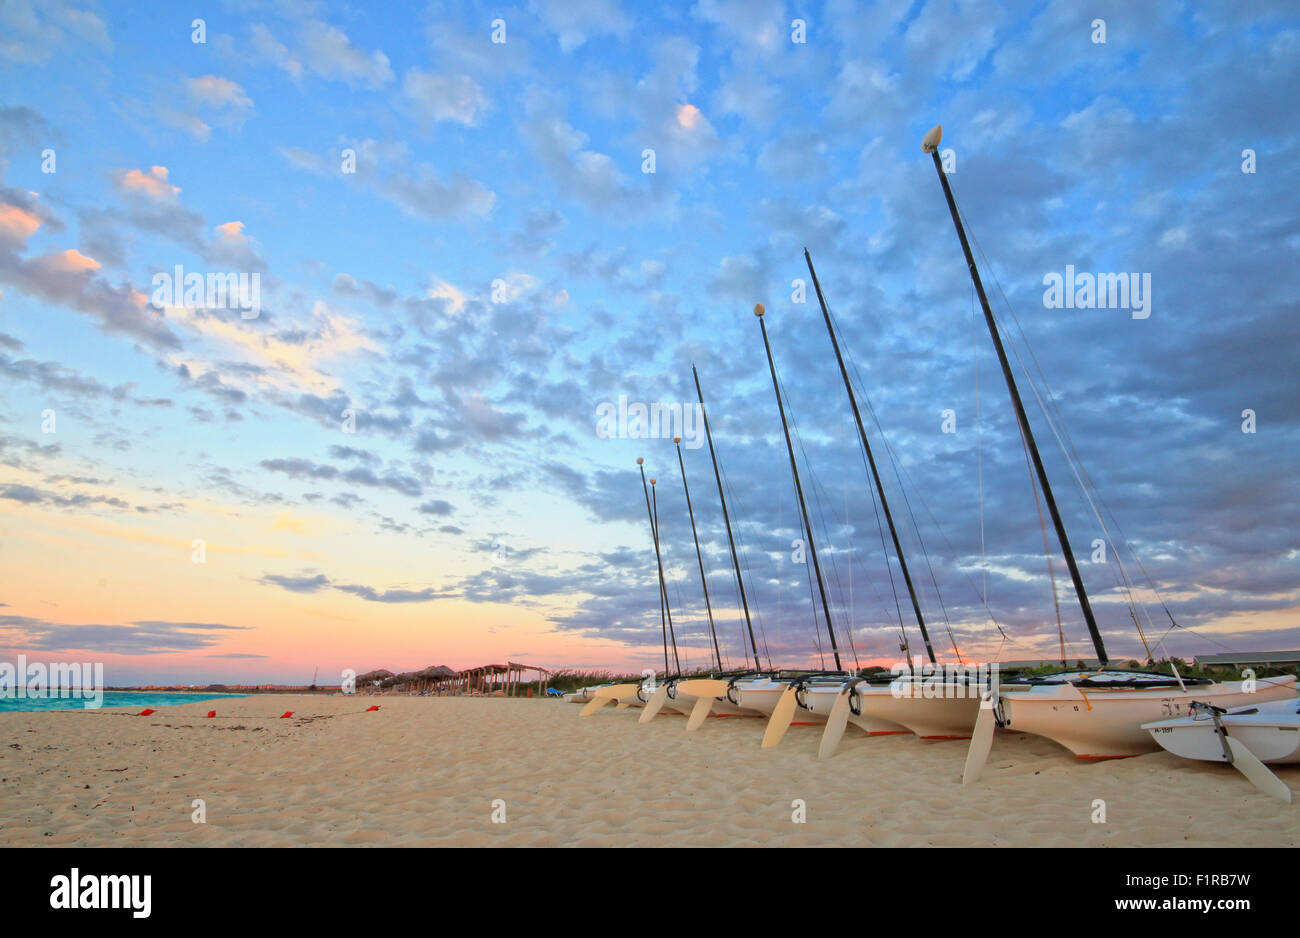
{"x":425,"y":772}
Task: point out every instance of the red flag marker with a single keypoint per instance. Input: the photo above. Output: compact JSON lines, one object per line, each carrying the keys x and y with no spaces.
{"x":372,"y":707}
{"x":145,"y":712}
{"x":211,"y":714}
{"x":286,"y":714}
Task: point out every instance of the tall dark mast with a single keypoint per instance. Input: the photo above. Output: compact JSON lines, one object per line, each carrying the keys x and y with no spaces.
{"x":663,"y":591}
{"x":704,"y":580}
{"x":875,"y":474}
{"x":663,"y":582}
{"x":798,"y":487}
{"x":931,"y":145}
{"x":726,"y":518}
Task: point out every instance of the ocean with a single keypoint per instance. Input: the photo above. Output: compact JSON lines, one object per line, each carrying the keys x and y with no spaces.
{"x":112,"y":698}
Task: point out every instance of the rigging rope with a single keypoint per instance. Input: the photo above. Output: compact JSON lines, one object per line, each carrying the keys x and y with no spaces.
{"x":1070,"y":453}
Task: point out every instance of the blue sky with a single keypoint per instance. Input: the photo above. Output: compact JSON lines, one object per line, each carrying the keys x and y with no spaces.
{"x":475,"y":513}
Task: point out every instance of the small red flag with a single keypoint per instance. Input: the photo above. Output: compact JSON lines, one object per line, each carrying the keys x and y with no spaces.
{"x":372,"y":707}
{"x":211,"y":714}
{"x":146,"y":711}
{"x":286,"y":714}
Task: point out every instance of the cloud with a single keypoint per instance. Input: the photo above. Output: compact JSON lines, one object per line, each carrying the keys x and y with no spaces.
{"x":218,"y":93}
{"x":299,"y":468}
{"x":418,"y":189}
{"x":232,"y":246}
{"x":287,"y":361}
{"x":314,"y":583}
{"x":390,"y":595}
{"x":324,"y":51}
{"x":69,"y":278}
{"x":153,"y":184}
{"x":587,"y":175}
{"x":150,"y":637}
{"x":576,"y":21}
{"x":28,"y":495}
{"x":435,"y":98}
{"x":30,"y":33}
{"x":197,"y":103}
{"x":17,"y":224}
{"x":297,"y":584}
{"x":271,"y":49}
{"x":23,"y":128}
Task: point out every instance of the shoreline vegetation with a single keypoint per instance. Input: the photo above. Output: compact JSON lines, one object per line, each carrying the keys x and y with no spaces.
{"x":567,"y":680}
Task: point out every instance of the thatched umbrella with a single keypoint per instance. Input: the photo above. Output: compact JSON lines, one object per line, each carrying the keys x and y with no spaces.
{"x":431,"y":673}
{"x":371,"y":677}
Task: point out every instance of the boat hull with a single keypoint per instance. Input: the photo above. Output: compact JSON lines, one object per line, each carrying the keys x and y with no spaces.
{"x":1097,"y":723}
{"x":1271,"y":731}
{"x":762,"y":696}
{"x":821,"y":698}
{"x":949,"y":714}
{"x":683,"y":703}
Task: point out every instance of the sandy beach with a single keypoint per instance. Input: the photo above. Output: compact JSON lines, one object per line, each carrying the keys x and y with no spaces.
{"x":425,"y":772}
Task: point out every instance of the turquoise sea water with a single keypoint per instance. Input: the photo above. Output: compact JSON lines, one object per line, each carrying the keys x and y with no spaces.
{"x":112,"y":698}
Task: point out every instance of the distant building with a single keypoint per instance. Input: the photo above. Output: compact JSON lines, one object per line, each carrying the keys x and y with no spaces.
{"x":1272,"y":659}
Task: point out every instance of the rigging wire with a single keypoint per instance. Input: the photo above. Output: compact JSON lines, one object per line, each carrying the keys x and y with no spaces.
{"x":1047,"y":408}
{"x":930,"y":567}
{"x":905,"y":482}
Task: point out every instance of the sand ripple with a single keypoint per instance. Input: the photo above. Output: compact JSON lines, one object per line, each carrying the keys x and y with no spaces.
{"x":429,"y":772}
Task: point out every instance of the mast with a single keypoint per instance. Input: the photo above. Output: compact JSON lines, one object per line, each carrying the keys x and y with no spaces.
{"x":931,"y":145}
{"x":704,"y":580}
{"x":875,"y":473}
{"x":663,"y":583}
{"x":726,"y":518}
{"x":798,"y":487}
{"x":663,"y":592}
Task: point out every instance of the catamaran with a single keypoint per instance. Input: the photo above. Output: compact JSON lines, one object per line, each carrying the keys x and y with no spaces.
{"x":935,"y":706}
{"x":643,"y":693}
{"x":1094,"y":714}
{"x":699,"y":698}
{"x":718,"y":695}
{"x":1245,"y":737}
{"x":785,"y":699}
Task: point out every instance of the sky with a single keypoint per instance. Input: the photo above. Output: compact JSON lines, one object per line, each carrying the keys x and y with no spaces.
{"x":474,"y":228}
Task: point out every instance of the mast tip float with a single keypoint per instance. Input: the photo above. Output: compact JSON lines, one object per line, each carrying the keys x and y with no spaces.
{"x":759,"y":310}
{"x":930,"y":142}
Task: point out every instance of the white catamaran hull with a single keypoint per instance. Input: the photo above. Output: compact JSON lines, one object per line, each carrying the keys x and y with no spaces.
{"x":1096,"y":723}
{"x":1269,"y":730}
{"x":683,"y":703}
{"x":722,"y":707}
{"x":763,"y":696}
{"x":587,"y":694}
{"x":582,"y":695}
{"x":949,"y":714}
{"x":821,"y":698}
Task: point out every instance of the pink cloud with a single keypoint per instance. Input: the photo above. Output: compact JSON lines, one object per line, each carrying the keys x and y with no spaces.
{"x":16,"y":224}
{"x":153,"y":184}
{"x":70,"y":261}
{"x":232,"y":231}
{"x":217,"y":92}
